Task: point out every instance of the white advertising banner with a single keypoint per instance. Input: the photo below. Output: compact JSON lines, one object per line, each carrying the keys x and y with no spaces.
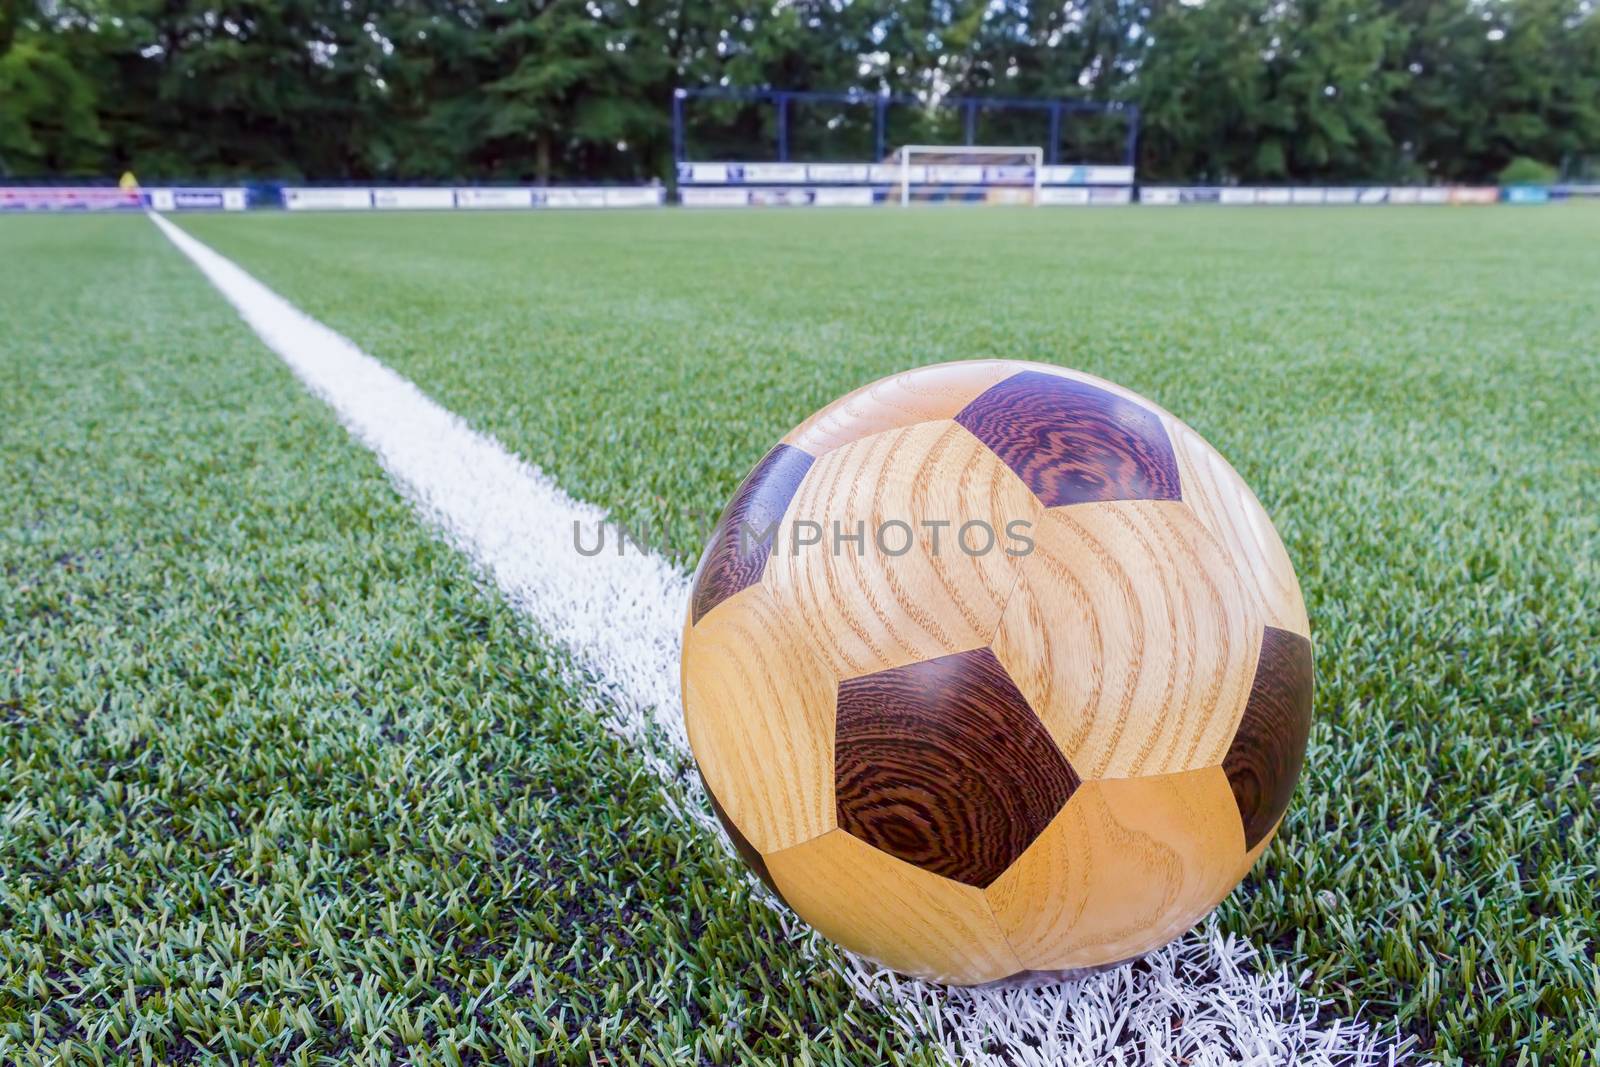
{"x":1056,"y":197}
{"x":890,"y":173}
{"x":636,"y":196}
{"x":327,"y":199}
{"x":192,"y":199}
{"x":955,"y":173}
{"x":861,"y":196}
{"x":490,"y":197}
{"x":715,"y":197}
{"x":1315,"y":194}
{"x":705,"y":174}
{"x":559,"y":198}
{"x":69,"y":198}
{"x":1113,"y":195}
{"x":1085,"y":174}
{"x":1008,"y":175}
{"x":839,"y":172}
{"x":780,"y":197}
{"x":776,"y":173}
{"x":413,"y":199}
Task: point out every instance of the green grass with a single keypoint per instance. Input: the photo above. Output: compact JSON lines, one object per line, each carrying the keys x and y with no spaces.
{"x":1413,"y":393}
{"x":279,"y":781}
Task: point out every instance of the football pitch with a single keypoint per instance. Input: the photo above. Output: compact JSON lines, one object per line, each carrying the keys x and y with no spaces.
{"x":283,"y":778}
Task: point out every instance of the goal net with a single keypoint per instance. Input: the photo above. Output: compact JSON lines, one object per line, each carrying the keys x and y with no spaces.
{"x":985,"y":174}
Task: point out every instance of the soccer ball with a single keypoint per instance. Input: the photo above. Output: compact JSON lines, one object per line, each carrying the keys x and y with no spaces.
{"x":995,"y":670}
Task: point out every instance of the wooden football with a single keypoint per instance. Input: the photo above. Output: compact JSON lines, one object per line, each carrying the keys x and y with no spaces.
{"x":996,"y":670}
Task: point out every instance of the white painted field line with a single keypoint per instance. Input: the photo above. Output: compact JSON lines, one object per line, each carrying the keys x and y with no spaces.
{"x":1208,"y":999}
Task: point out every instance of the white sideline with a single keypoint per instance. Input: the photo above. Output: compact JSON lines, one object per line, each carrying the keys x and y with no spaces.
{"x":1208,"y":999}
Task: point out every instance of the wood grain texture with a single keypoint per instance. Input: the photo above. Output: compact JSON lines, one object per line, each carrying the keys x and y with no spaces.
{"x":1072,"y":442}
{"x":1263,"y":762}
{"x":1032,"y":979}
{"x":1246,"y":865}
{"x":741,"y":844}
{"x":1226,"y":506}
{"x":1127,"y":866}
{"x":1250,"y":858}
{"x":926,"y":394}
{"x":736,"y":555}
{"x":871,"y":611}
{"x":759,"y":710}
{"x":943,"y":764}
{"x":1132,"y":638}
{"x":1094,"y":380}
{"x":914,"y":921}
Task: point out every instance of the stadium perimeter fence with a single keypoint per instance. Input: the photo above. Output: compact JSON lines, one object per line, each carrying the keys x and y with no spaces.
{"x":748,"y":185}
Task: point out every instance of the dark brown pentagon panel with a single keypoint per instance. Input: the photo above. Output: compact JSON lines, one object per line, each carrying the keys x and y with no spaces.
{"x":943,"y":764}
{"x":1264,"y":759}
{"x":741,"y":844}
{"x":732,"y":562}
{"x":1072,"y":442}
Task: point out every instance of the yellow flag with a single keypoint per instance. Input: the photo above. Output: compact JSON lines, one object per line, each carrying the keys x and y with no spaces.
{"x":128,"y":182}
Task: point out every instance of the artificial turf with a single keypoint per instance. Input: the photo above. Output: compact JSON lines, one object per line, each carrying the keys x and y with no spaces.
{"x":1412,"y":393}
{"x":280,"y":782}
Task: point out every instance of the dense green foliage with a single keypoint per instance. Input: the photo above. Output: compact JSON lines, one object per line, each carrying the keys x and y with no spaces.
{"x":1525,"y":171}
{"x":1424,"y":440}
{"x":519,"y":89}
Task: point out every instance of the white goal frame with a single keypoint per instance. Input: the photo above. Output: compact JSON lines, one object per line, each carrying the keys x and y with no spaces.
{"x":905,"y":152}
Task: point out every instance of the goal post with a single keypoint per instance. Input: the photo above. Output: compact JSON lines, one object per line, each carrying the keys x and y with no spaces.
{"x":986,"y":166}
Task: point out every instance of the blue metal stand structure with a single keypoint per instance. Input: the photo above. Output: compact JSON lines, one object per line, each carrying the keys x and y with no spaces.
{"x":969,"y":106}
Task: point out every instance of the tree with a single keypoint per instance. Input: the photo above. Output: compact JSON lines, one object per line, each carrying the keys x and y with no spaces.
{"x":48,"y":106}
{"x":1203,"y":90}
{"x":1231,"y":90}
